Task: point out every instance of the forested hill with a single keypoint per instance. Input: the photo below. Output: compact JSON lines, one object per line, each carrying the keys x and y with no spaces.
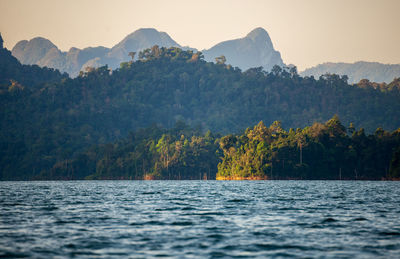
{"x":27,"y":75}
{"x":54,"y":121}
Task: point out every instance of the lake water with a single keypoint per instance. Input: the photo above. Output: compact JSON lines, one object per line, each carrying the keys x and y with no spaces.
{"x":200,"y":219}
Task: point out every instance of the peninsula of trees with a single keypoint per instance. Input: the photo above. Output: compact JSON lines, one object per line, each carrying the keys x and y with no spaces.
{"x":327,"y":151}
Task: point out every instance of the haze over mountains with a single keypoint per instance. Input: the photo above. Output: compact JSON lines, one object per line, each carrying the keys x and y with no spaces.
{"x":374,"y":71}
{"x":253,"y":50}
{"x":43,"y":52}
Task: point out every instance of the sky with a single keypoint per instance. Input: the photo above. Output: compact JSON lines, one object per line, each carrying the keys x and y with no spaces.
{"x":305,"y":32}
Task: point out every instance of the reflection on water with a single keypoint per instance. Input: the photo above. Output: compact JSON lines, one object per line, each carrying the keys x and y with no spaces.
{"x":200,"y":219}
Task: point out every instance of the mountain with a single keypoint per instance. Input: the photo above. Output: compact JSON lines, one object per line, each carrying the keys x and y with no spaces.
{"x":33,"y":51}
{"x":77,"y":59}
{"x":134,"y":42}
{"x":373,"y":71}
{"x":254,"y":50}
{"x":43,"y":52}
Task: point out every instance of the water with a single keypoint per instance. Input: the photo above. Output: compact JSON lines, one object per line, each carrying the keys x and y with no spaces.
{"x":201,"y":219}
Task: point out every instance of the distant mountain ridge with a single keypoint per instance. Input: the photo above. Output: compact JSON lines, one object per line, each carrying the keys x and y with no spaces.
{"x":254,"y":50}
{"x":373,"y":71}
{"x":42,"y":52}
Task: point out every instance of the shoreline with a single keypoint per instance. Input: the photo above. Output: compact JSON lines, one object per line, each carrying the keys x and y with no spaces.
{"x":236,"y":178}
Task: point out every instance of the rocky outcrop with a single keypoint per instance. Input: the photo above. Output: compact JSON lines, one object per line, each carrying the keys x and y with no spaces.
{"x":254,"y":50}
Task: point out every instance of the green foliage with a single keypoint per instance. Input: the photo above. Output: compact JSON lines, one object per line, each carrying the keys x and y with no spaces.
{"x":322,"y":151}
{"x":220,"y":60}
{"x":47,"y":118}
{"x":27,"y":75}
{"x":395,"y":165}
{"x":1,"y":42}
{"x":180,"y":153}
{"x":246,"y":156}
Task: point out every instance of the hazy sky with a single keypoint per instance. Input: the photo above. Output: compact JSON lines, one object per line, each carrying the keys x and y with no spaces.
{"x":306,"y":32}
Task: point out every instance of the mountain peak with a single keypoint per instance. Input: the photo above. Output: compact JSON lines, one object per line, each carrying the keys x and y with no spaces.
{"x":139,"y":40}
{"x":31,"y":52}
{"x":253,"y":50}
{"x":257,"y":31}
{"x":145,"y":31}
{"x":145,"y":35}
{"x":259,"y":35}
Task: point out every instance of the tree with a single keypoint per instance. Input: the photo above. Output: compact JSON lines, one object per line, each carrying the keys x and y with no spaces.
{"x":155,"y":51}
{"x":132,"y":55}
{"x":276,"y":70}
{"x":1,"y":42}
{"x":144,"y":54}
{"x":395,"y":165}
{"x":335,"y":127}
{"x":196,"y":56}
{"x":220,"y":60}
{"x":227,"y":142}
{"x":293,"y":71}
{"x":351,"y":128}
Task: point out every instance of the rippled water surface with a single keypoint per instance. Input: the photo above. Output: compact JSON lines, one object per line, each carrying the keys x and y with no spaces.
{"x":203,"y":219}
